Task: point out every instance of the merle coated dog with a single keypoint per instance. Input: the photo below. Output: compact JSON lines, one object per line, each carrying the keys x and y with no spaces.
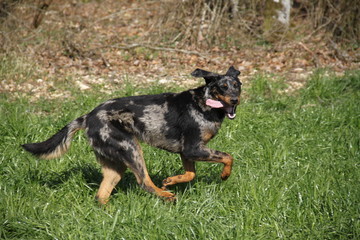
{"x":177,"y":122}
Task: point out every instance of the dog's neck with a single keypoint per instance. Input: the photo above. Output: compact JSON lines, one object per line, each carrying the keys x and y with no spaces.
{"x":200,"y":95}
{"x":206,"y":93}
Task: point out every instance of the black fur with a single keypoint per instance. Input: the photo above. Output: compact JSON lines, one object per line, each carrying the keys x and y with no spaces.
{"x":49,"y":145}
{"x":177,"y":122}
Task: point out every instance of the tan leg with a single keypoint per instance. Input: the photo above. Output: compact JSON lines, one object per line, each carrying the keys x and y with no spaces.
{"x":149,"y":186}
{"x":189,"y":174}
{"x":227,"y":161}
{"x":111,"y":177}
{"x":224,"y":158}
{"x":217,"y":157}
{"x":138,"y":167}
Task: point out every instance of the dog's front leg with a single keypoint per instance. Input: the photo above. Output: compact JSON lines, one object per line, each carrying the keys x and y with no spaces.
{"x":226,"y":159}
{"x":209,"y":155}
{"x":189,"y":167}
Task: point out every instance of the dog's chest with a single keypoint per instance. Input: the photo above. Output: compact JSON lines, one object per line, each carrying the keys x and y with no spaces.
{"x":208,"y":129}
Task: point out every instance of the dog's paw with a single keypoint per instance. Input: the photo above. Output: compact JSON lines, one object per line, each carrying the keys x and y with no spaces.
{"x":168,"y":196}
{"x":170,"y":199}
{"x":167,"y":182}
{"x":226,"y":172}
{"x":225,"y":175}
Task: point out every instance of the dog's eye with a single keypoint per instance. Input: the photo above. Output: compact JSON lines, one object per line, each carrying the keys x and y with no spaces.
{"x":224,"y":86}
{"x":236,"y":85}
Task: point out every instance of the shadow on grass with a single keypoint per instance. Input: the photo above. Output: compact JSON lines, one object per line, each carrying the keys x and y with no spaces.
{"x":55,"y":180}
{"x":93,"y":176}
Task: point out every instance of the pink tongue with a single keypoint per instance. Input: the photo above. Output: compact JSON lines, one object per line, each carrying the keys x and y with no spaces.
{"x":214,"y":103}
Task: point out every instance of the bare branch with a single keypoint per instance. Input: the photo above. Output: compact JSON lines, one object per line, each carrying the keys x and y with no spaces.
{"x":43,"y":6}
{"x":156,"y":48}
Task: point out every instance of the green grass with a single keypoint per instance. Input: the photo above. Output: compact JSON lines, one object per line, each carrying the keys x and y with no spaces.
{"x":296,"y":174}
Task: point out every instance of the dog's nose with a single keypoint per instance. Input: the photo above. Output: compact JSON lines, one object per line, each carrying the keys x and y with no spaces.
{"x":234,"y":101}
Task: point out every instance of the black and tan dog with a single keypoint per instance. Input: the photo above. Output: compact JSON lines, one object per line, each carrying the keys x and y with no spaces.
{"x":177,"y":122}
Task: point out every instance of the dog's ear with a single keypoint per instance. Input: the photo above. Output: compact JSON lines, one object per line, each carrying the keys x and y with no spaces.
{"x":208,"y":76}
{"x":232,"y":72}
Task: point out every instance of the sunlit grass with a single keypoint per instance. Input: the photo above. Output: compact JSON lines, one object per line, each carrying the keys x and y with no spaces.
{"x":296,"y":174}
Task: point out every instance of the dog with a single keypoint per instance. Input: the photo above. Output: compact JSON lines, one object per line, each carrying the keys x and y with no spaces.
{"x":177,"y":122}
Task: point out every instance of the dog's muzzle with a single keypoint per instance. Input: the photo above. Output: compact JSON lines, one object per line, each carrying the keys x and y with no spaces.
{"x":229,"y":109}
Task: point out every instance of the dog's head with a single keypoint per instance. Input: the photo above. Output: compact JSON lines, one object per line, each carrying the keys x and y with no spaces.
{"x":222,"y":91}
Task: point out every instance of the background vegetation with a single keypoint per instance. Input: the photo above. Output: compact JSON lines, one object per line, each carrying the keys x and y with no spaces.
{"x":87,"y":43}
{"x":208,"y":22}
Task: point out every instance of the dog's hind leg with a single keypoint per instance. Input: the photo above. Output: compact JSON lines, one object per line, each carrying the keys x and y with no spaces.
{"x":112,"y":174}
{"x":138,"y":167}
{"x":117,"y":150}
{"x":189,"y":174}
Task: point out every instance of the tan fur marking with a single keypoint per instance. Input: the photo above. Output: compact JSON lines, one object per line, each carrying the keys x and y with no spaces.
{"x":225,"y":99}
{"x":228,"y":162}
{"x":158,"y":191}
{"x":111,"y":178}
{"x":188,"y":176}
{"x":146,"y":180}
{"x":206,"y":136}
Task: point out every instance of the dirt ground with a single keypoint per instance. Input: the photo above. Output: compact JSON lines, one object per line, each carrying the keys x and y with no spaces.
{"x":88,"y":43}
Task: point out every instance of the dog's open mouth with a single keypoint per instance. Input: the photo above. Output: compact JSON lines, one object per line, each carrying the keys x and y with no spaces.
{"x":230,"y":110}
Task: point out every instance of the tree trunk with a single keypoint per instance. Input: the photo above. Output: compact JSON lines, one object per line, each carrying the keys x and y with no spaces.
{"x":276,"y":18}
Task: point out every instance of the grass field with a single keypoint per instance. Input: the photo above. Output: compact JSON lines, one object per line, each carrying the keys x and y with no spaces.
{"x":296,"y":174}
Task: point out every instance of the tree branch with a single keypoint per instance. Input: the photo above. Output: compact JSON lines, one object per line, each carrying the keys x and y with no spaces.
{"x":166,"y":49}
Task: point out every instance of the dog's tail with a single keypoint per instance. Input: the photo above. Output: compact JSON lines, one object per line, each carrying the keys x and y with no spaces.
{"x":58,"y":144}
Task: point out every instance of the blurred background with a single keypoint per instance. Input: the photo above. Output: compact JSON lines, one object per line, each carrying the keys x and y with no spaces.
{"x":46,"y":43}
